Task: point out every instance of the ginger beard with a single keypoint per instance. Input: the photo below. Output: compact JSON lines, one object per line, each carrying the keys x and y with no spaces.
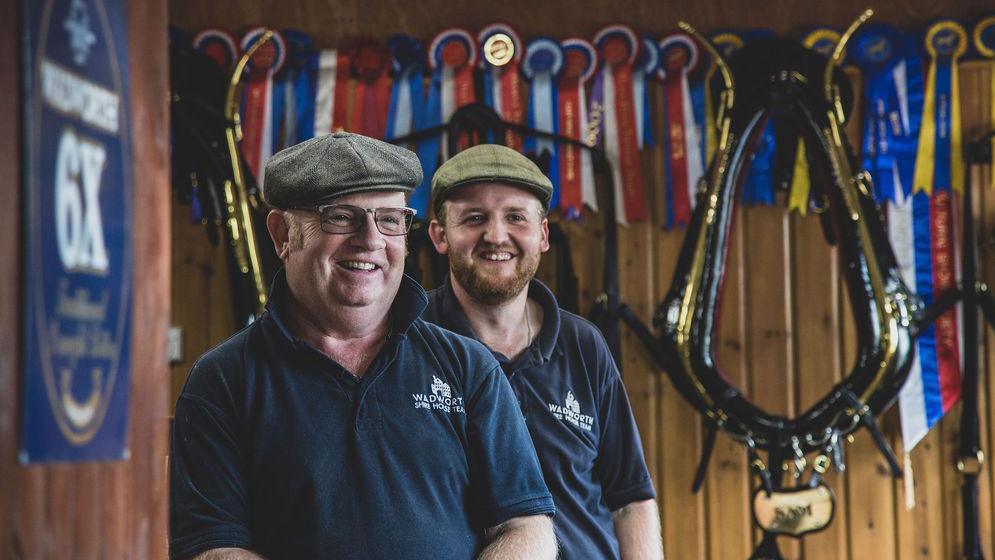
{"x":487,"y":288}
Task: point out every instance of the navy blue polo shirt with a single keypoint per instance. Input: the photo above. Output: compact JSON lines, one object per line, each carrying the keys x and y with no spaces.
{"x":278,"y":449}
{"x":579,"y":417}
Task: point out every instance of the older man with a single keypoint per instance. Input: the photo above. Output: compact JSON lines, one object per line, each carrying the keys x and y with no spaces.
{"x":340,"y":425}
{"x":490,"y":204}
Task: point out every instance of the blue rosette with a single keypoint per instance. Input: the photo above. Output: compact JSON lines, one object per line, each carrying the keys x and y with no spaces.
{"x":407,"y":106}
{"x":647,"y":64}
{"x":983,"y":37}
{"x":541,"y":64}
{"x":298,"y":81}
{"x":876,"y":50}
{"x":452,"y":48}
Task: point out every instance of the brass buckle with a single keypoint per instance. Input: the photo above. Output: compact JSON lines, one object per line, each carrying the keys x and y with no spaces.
{"x":822,"y":463}
{"x":971,"y":466}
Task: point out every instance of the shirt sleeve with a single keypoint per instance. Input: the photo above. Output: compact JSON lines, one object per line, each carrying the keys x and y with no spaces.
{"x":505,"y":475}
{"x":620,"y":465}
{"x":207,"y":492}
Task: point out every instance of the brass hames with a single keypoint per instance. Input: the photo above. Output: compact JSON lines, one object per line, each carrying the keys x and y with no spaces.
{"x":238,"y":202}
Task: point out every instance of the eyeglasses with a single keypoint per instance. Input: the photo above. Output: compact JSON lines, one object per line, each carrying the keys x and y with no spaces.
{"x":345,"y":218}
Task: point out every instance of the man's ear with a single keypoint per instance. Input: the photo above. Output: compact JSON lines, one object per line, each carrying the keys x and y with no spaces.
{"x":544,"y":229}
{"x":437,"y":233}
{"x":279,"y":230}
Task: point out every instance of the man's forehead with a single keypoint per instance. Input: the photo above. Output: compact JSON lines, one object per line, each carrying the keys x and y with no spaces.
{"x":371,"y":199}
{"x":493,"y":194}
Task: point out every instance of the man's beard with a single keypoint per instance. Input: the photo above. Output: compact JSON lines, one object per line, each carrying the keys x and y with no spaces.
{"x":492,"y":290}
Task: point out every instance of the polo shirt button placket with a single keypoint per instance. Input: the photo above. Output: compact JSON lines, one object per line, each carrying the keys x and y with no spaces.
{"x":367,"y":410}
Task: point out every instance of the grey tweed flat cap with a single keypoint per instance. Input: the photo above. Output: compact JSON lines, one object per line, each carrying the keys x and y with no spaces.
{"x":337,"y":164}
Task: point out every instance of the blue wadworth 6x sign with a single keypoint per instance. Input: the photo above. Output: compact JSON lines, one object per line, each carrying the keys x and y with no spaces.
{"x":77,"y":227}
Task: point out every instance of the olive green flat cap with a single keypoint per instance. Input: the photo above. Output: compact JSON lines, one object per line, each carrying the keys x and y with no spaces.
{"x":489,"y":163}
{"x":337,"y":164}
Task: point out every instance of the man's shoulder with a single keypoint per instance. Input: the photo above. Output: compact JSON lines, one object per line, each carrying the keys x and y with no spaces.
{"x":433,"y":312}
{"x":460,"y":357}
{"x":573,"y":327}
{"x":223,"y":363}
{"x":437,"y":339}
{"x":584,"y":351}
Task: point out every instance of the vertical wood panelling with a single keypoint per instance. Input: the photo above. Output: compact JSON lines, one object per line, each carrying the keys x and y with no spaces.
{"x":146,"y":492}
{"x":919,"y":535}
{"x":869,"y":488}
{"x":683,"y":512}
{"x":198,"y":267}
{"x":816,"y":297}
{"x":769,"y":322}
{"x":951,"y":485}
{"x":88,"y":485}
{"x":984,"y":482}
{"x":729,"y":482}
{"x":985,"y":222}
{"x":10,"y":239}
{"x":976,"y":82}
{"x":786,"y":330}
{"x":635,"y":246}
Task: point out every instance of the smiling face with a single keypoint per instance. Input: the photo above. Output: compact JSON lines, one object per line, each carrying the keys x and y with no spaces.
{"x":329,"y":272}
{"x":493,"y":235}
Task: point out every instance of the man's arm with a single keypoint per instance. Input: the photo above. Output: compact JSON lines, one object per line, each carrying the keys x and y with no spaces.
{"x":637,"y":526}
{"x":228,"y":554}
{"x":207,"y":490}
{"x":528,"y":537}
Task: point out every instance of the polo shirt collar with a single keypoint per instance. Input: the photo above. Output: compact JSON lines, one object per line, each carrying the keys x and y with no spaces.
{"x":454,"y":319}
{"x":408,"y":305}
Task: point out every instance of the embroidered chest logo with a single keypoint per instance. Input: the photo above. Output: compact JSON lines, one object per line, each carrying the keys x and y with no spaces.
{"x":441,"y":398}
{"x":570,"y":411}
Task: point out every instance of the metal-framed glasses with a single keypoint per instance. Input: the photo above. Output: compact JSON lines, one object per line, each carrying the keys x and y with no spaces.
{"x":346,"y":218}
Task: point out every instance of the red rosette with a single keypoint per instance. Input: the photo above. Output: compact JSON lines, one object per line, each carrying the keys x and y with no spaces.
{"x":618,"y":47}
{"x":268,"y":58}
{"x":580,"y":60}
{"x":617,"y":44}
{"x":370,"y":62}
{"x":678,"y":51}
{"x":219,"y":45}
{"x":453,"y":47}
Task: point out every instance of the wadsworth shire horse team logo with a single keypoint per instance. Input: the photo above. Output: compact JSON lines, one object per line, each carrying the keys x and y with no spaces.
{"x":441,"y":398}
{"x":570,"y":412}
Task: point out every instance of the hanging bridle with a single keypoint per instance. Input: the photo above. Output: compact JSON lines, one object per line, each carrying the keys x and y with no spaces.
{"x":797,"y":81}
{"x":882,"y":305}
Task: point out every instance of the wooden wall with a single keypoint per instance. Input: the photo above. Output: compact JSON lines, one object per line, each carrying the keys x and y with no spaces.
{"x":94,"y":510}
{"x":787,"y":333}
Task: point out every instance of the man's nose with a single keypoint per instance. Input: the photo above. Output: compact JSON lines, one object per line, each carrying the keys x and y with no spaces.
{"x":496,"y":231}
{"x":368,"y":236}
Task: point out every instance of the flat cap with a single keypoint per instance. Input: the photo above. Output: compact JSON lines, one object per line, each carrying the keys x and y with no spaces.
{"x":489,"y":163}
{"x":337,"y":164}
